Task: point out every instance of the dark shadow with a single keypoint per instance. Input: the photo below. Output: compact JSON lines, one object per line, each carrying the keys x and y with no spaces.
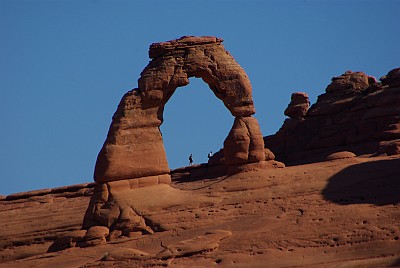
{"x":396,"y":263}
{"x":198,"y":172}
{"x":319,"y":155}
{"x":375,"y":182}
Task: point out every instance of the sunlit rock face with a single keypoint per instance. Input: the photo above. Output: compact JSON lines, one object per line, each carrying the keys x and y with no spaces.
{"x":134,"y":146}
{"x":133,"y":155}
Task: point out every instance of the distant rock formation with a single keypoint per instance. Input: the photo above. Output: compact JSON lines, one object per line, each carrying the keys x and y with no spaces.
{"x":350,"y":83}
{"x":392,"y":79}
{"x":298,"y":105}
{"x":133,"y":154}
{"x":355,"y":114}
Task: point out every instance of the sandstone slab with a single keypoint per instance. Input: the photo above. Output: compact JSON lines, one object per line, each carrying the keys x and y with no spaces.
{"x":346,"y":211}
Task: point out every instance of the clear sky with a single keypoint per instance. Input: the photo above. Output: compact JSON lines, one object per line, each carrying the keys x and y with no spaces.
{"x":64,"y":66}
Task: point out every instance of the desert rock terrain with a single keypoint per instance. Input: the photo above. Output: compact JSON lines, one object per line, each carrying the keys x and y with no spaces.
{"x":336,"y":213}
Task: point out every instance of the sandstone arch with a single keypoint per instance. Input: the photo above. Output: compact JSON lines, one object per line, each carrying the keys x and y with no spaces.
{"x":134,"y":148}
{"x":133,"y":154}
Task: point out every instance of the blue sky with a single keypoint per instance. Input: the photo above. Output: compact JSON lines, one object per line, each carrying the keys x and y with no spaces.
{"x":64,"y":66}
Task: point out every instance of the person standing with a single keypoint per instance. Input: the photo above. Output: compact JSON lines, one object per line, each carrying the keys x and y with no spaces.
{"x":190,"y":160}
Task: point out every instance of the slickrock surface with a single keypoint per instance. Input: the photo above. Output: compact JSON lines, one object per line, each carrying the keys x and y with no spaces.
{"x":31,"y":221}
{"x":337,"y":213}
{"x":356,"y":114}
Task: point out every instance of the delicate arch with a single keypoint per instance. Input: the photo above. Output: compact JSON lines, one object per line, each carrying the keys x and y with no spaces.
{"x":134,"y":146}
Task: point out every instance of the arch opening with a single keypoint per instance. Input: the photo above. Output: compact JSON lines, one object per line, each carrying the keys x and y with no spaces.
{"x":195,"y":122}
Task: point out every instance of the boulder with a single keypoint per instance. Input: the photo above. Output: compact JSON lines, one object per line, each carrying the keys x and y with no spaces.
{"x":217,"y":159}
{"x":67,"y":241}
{"x":269,"y":155}
{"x":95,"y":235}
{"x":298,"y":105}
{"x":393,"y":148}
{"x":392,"y":79}
{"x":96,"y":232}
{"x":350,"y":82}
{"x":340,"y":155}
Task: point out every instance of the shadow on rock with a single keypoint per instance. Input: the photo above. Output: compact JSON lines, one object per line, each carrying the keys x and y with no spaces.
{"x":396,"y":263}
{"x":375,"y":182}
{"x":198,"y":172}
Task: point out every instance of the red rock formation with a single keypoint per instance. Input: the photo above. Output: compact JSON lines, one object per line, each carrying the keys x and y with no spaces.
{"x":134,"y":147}
{"x":392,"y":79}
{"x":133,"y":154}
{"x":354,"y":114}
{"x":350,"y":82}
{"x":298,"y":105}
{"x":243,"y":144}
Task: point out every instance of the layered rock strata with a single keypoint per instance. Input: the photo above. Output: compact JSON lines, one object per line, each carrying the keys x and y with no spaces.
{"x":356,"y":113}
{"x":346,"y":210}
{"x":133,"y":154}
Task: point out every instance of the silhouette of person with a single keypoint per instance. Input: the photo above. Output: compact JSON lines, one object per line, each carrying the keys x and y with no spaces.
{"x":209,"y":155}
{"x":190,"y":160}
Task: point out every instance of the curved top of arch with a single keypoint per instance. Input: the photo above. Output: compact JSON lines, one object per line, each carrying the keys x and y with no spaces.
{"x":174,"y":62}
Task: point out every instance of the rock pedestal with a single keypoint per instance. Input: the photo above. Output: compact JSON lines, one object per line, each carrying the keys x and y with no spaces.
{"x":298,"y":105}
